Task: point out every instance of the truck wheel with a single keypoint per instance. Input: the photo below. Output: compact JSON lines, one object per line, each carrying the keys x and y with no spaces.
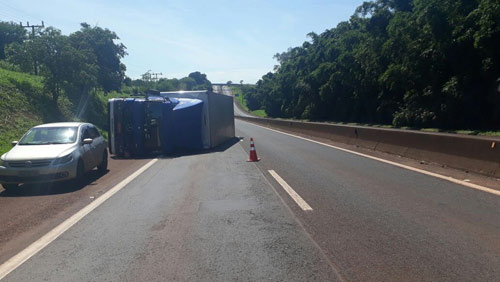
{"x":104,"y":163}
{"x":10,"y":187}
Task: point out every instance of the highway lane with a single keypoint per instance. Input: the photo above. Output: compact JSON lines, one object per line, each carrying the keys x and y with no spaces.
{"x":35,"y":209}
{"x":226,"y":90}
{"x":215,"y":217}
{"x":378,"y":222}
{"x":205,"y":217}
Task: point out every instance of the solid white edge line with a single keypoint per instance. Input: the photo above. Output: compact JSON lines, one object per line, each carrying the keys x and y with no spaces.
{"x":296,"y":197}
{"x":447,"y":178}
{"x":17,"y":260}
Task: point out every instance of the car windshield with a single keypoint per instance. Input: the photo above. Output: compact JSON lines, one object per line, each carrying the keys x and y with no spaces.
{"x":49,"y":135}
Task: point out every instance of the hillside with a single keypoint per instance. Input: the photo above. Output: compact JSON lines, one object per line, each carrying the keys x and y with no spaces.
{"x":419,"y":63}
{"x":24,"y":103}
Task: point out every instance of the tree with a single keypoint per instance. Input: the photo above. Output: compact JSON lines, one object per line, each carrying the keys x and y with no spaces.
{"x":62,"y":66}
{"x":201,"y":81}
{"x":10,"y":33}
{"x":186,"y":83}
{"x":101,"y":42}
{"x":423,"y":63}
{"x":229,"y":82}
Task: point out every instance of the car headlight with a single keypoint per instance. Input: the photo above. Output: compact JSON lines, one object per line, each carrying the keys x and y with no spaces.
{"x":64,"y":160}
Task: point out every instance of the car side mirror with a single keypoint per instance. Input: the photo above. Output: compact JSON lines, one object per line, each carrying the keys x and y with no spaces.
{"x":14,"y":143}
{"x":87,"y":141}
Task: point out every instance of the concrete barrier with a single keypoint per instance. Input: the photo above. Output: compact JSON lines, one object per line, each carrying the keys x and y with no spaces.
{"x":470,"y":153}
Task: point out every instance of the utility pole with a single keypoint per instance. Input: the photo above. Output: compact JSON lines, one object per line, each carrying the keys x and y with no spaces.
{"x":156,"y":74}
{"x":33,"y":37}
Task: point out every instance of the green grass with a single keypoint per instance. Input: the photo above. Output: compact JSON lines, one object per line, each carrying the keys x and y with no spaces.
{"x":238,"y":96}
{"x":259,"y":113}
{"x":243,"y":103}
{"x":24,"y":103}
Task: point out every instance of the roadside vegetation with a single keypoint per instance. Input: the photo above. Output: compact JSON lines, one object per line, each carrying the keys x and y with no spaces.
{"x":194,"y":81}
{"x":243,"y":96}
{"x":53,"y":77}
{"x":403,"y":63}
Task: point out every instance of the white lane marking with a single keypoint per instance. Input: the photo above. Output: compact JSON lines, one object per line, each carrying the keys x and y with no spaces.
{"x":296,"y":197}
{"x":447,"y":178}
{"x":48,"y":238}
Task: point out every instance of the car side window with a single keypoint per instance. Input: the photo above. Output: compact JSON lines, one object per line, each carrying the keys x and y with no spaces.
{"x":85,"y":132}
{"x":93,"y":132}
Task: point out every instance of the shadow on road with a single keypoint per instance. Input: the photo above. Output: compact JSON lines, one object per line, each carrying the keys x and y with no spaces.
{"x":47,"y":189}
{"x":183,"y":152}
{"x":221,"y":148}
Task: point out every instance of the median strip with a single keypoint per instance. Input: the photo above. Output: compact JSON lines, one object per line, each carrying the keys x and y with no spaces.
{"x":48,"y":238}
{"x":296,"y":197}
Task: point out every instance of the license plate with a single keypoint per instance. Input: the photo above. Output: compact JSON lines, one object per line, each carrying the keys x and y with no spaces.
{"x":28,"y":173}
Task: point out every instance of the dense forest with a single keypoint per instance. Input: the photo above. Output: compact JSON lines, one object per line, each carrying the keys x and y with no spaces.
{"x":420,"y":63}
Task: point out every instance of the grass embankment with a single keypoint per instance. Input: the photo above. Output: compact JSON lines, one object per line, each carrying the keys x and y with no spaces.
{"x":238,"y":96}
{"x":24,"y":103}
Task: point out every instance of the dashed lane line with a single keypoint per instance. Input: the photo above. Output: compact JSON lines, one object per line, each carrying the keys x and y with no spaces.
{"x":296,"y":197}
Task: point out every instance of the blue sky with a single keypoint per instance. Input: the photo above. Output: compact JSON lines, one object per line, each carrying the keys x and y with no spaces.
{"x":227,"y":40}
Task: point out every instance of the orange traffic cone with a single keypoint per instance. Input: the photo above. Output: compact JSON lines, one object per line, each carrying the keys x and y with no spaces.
{"x":253,"y":153}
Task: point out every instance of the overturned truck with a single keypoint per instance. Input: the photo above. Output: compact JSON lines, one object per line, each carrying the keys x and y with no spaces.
{"x":169,"y":121}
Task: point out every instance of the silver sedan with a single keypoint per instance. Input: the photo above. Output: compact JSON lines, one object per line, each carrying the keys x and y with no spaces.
{"x":54,"y":152}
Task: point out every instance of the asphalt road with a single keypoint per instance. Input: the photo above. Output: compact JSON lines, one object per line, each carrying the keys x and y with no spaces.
{"x":226,"y":90}
{"x":237,"y":111}
{"x":35,"y":209}
{"x":378,"y":222}
{"x":206,"y":217}
{"x":216,"y":217}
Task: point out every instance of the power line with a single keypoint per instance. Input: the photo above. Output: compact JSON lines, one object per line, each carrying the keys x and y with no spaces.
{"x":13,"y":9}
{"x":8,"y":16}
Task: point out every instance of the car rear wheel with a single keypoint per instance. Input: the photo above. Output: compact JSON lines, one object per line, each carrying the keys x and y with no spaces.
{"x":10,"y":187}
{"x":103,"y":166}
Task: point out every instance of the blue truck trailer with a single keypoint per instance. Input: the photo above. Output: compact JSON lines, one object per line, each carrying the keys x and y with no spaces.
{"x":217,"y":115}
{"x":165,"y":123}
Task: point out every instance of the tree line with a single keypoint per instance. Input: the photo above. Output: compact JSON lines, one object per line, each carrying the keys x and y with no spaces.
{"x":419,"y":63}
{"x":76,"y":69}
{"x":194,"y":81}
{"x":79,"y":64}
{"x":82,"y":67}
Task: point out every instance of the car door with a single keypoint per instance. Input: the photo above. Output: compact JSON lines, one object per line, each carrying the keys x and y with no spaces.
{"x":98,"y":146}
{"x":86,"y":149}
